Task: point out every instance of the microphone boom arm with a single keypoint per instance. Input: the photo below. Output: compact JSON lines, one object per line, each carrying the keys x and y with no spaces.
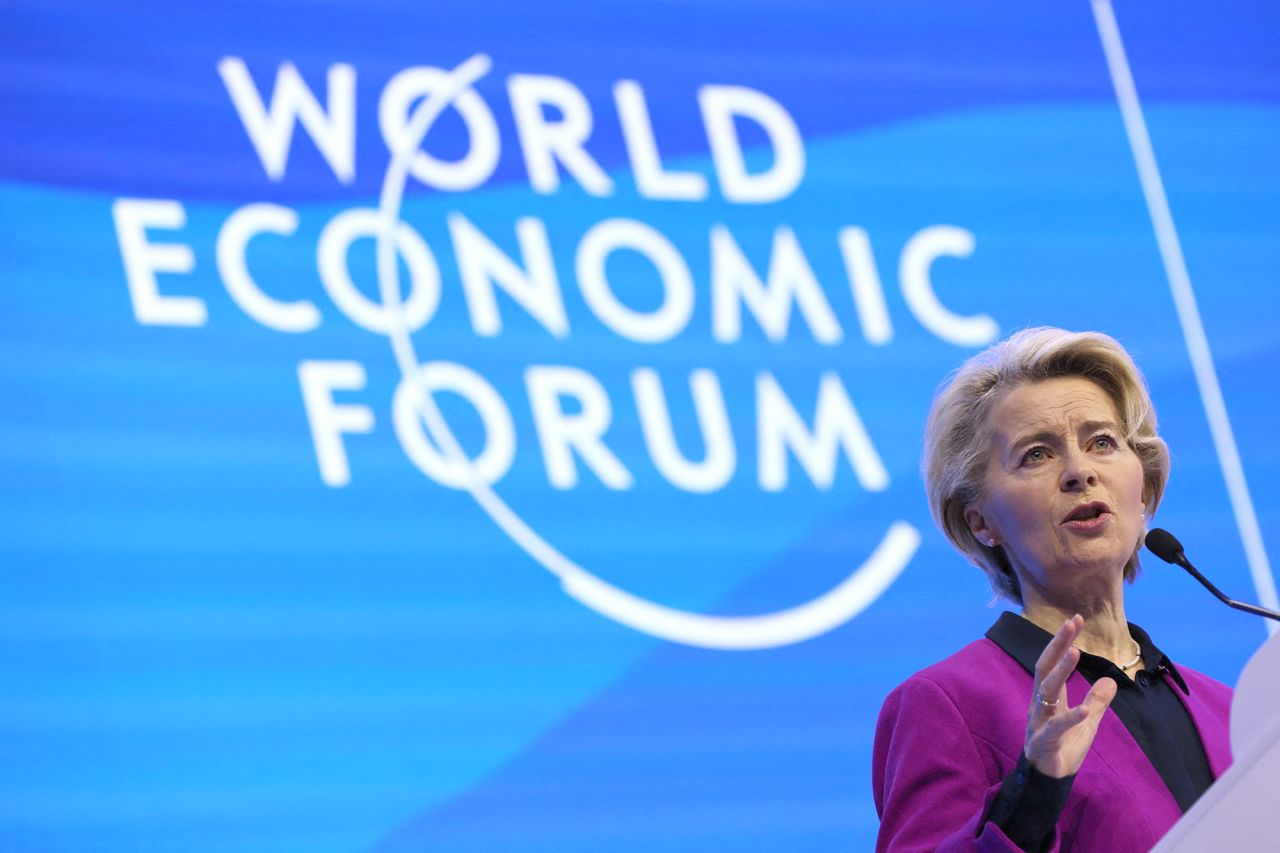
{"x":1181,"y":560}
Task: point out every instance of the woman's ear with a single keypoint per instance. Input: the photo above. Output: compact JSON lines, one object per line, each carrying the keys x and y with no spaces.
{"x":978,"y":526}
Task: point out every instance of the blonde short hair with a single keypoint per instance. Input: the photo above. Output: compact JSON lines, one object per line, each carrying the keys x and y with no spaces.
{"x":957,"y":439}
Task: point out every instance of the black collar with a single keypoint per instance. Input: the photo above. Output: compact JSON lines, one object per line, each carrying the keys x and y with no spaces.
{"x":1024,"y":641}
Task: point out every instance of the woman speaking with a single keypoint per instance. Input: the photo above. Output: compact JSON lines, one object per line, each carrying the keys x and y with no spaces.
{"x":1066,"y":727}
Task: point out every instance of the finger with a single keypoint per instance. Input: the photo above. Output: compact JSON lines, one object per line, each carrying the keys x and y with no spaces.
{"x":1100,"y":696}
{"x":1060,"y":724}
{"x":1056,"y":679}
{"x":1057,"y":647}
{"x":1090,"y":710}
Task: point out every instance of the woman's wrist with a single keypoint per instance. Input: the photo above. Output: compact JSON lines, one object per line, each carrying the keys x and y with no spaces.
{"x":1029,"y":804}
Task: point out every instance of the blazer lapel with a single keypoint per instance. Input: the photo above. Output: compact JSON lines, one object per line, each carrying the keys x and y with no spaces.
{"x":1114,"y":748}
{"x":1213,"y":734}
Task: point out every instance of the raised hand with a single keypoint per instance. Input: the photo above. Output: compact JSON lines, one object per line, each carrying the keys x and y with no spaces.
{"x":1058,"y":736}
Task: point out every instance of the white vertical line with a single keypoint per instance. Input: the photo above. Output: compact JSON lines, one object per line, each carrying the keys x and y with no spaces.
{"x":1185,"y":301}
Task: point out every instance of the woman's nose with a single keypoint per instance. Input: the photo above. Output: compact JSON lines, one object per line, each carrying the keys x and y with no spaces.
{"x":1077,"y":473}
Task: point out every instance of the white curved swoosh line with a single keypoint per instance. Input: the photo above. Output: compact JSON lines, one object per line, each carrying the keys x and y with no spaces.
{"x":829,"y":610}
{"x":817,"y":616}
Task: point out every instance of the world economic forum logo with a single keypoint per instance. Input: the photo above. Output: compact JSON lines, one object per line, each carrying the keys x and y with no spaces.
{"x":571,"y":408}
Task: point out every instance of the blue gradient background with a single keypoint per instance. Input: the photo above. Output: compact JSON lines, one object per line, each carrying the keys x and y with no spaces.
{"x":204,"y":647}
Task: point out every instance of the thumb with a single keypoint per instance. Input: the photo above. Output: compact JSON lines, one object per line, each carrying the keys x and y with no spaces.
{"x":1100,"y":696}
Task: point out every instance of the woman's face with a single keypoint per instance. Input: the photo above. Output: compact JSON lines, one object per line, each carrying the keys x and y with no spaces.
{"x":1063,"y":490}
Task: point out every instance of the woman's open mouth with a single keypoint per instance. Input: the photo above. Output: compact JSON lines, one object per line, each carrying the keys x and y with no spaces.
{"x":1088,"y":517}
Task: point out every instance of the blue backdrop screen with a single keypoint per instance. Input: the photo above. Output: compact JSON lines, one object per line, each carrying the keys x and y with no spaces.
{"x":497,"y":425}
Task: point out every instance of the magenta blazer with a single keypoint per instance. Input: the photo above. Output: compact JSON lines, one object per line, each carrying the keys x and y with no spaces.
{"x":948,"y":736}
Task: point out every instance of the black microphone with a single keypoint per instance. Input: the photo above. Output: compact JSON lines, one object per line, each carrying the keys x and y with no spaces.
{"x":1166,"y":546}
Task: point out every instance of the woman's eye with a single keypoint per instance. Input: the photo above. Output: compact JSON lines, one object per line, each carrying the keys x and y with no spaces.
{"x":1035,"y":454}
{"x":1105,"y":442}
